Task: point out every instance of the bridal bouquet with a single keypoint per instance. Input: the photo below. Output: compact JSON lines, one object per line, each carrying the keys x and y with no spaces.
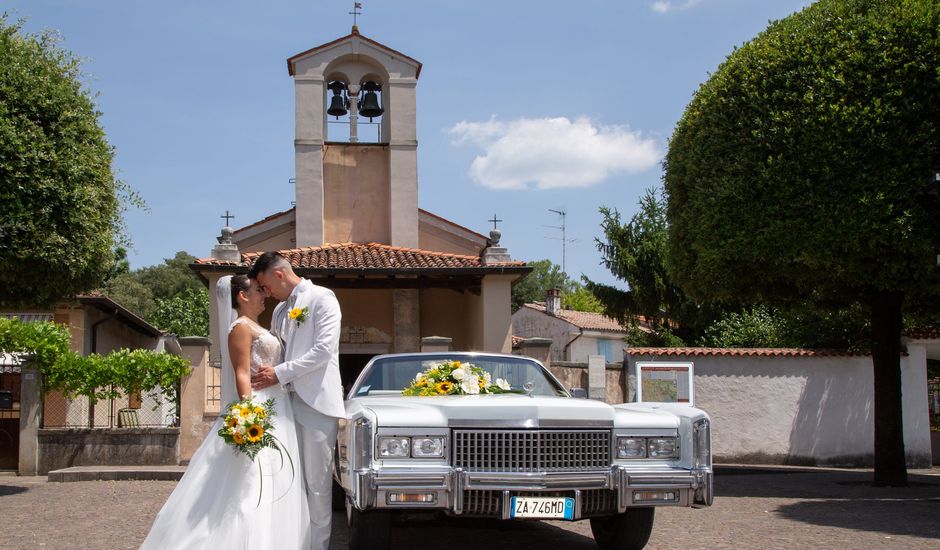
{"x":247,"y":426}
{"x":456,"y":378}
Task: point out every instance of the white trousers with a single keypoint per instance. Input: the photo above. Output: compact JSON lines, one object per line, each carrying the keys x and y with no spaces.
{"x":316,"y":437}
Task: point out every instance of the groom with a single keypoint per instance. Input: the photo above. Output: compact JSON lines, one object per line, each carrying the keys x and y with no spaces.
{"x":307,"y":321}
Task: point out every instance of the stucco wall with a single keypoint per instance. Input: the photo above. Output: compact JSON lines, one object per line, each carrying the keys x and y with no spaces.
{"x":442,"y":314}
{"x":356,"y":194}
{"x":799,"y":410}
{"x":529,"y":323}
{"x":587,"y":344}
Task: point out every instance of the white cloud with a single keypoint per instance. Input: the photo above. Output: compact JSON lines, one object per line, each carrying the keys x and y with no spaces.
{"x":665,"y":6}
{"x":552,"y":153}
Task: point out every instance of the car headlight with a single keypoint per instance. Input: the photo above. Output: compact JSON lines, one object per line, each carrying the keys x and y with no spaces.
{"x":663,"y":447}
{"x":631,"y":447}
{"x":427,"y":447}
{"x":702,"y":444}
{"x":394,"y":447}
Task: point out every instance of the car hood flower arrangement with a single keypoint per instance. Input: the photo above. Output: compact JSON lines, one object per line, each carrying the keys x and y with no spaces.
{"x":247,"y":427}
{"x":456,"y":378}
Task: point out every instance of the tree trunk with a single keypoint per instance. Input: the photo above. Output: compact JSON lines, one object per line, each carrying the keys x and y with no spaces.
{"x":890,"y":465}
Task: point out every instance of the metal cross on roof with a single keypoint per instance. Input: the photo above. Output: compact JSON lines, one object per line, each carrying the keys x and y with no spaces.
{"x":356,"y":13}
{"x":227,"y":217}
{"x":494,"y":220}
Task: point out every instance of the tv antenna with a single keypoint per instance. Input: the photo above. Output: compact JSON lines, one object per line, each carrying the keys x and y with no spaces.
{"x":564,"y":236}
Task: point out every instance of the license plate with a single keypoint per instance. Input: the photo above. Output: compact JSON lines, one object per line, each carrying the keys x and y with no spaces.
{"x":542,"y":507}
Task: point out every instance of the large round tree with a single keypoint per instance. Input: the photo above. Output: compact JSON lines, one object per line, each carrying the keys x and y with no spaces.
{"x":59,"y":204}
{"x":803,"y":169}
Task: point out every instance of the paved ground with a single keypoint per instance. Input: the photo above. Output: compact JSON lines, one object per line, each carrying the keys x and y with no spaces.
{"x":755,"y":508}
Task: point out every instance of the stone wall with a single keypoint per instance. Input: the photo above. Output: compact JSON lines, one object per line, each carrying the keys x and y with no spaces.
{"x":575,"y":375}
{"x":64,"y":448}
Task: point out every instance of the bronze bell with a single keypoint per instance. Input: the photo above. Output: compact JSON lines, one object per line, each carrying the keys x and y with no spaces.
{"x":369,"y":104}
{"x":338,"y":103}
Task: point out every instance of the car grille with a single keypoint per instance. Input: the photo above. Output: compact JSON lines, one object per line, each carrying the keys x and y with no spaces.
{"x":531,"y":450}
{"x":594,"y":502}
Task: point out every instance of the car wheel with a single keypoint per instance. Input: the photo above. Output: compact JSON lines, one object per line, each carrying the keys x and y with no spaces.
{"x":628,"y":531}
{"x":370,"y":530}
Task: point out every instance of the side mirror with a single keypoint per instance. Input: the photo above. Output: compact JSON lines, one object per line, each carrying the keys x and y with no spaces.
{"x":579,"y":393}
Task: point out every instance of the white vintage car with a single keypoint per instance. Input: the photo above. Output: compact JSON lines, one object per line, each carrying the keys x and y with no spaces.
{"x":540,"y":453}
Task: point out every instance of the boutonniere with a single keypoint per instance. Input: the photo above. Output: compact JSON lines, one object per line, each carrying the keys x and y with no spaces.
{"x":298,"y":314}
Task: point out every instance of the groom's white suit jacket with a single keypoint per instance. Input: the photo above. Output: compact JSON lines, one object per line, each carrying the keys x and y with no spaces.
{"x":311,"y":348}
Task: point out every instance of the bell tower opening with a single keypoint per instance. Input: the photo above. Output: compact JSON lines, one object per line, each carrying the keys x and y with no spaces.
{"x":354,"y":112}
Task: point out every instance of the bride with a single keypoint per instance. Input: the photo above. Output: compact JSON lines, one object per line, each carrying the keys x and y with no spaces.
{"x":226,"y":500}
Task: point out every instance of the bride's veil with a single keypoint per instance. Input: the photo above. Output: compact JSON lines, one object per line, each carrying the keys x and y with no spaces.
{"x":223,"y":305}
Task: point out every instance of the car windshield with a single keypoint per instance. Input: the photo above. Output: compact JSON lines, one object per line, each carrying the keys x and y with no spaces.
{"x":390,"y":375}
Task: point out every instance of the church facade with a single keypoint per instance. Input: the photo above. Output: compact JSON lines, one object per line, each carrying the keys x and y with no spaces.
{"x":405,"y":278}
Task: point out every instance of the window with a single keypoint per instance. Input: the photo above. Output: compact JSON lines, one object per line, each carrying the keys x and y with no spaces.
{"x":604,"y":348}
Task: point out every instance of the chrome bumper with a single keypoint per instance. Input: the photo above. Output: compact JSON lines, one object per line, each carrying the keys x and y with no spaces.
{"x":633,"y":488}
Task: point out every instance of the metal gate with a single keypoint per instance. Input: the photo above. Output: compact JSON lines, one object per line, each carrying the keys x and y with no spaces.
{"x":9,"y":416}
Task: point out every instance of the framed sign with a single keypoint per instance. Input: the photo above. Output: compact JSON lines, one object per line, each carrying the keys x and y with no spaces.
{"x":664,"y":383}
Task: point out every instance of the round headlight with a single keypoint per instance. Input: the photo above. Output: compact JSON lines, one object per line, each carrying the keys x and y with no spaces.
{"x":394,"y":447}
{"x":427,"y":447}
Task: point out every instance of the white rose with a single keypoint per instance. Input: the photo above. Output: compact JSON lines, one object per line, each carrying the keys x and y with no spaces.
{"x":458,"y":373}
{"x":470,"y":384}
{"x":502,"y":384}
{"x":240,"y":429}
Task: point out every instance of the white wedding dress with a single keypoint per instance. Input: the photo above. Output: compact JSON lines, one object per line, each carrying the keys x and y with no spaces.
{"x":216,"y":503}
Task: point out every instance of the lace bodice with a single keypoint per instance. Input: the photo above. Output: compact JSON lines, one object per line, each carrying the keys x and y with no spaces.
{"x":265,"y":347}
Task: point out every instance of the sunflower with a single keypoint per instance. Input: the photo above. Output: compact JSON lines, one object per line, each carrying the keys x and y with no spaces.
{"x":456,"y":364}
{"x":444,"y":387}
{"x":423,"y":382}
{"x":232,"y":421}
{"x":244,"y":411}
{"x":254,"y":433}
{"x":238,"y":438}
{"x":482,"y":383}
{"x":259,"y":411}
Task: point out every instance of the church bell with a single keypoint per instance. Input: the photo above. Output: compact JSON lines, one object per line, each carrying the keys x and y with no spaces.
{"x":338,"y":103}
{"x":369,"y":104}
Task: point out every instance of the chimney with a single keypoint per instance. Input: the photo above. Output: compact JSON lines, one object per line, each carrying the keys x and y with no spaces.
{"x":552,"y":301}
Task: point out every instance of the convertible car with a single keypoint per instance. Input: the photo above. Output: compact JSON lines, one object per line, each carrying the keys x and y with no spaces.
{"x":526,"y":450}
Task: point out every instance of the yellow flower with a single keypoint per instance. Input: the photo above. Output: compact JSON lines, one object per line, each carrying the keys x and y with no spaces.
{"x":456,"y":364}
{"x":231,"y":421}
{"x":423,"y":382}
{"x":244,"y":412}
{"x":482,"y":383}
{"x":260,"y":412}
{"x":238,"y":438}
{"x":444,"y":387}
{"x":254,"y":433}
{"x":298,"y":314}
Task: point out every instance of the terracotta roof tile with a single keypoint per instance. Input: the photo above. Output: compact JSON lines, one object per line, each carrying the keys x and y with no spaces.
{"x":745,"y":352}
{"x":923,"y":333}
{"x":583,"y":319}
{"x":369,"y":256}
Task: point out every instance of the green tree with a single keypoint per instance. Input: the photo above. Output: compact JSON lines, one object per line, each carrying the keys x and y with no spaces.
{"x":634,"y":252}
{"x":545,"y":275}
{"x":170,"y":278}
{"x":581,"y":299}
{"x":126,"y":290}
{"x":186,"y":314}
{"x":800,"y":171}
{"x":60,"y":200}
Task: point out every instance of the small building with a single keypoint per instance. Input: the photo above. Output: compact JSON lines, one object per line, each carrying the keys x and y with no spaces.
{"x":575,"y":335}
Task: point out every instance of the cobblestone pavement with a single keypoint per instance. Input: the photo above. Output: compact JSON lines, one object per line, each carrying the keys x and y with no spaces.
{"x":755,"y":508}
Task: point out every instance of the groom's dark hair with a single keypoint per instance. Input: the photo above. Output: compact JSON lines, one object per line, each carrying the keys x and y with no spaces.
{"x":265,"y":262}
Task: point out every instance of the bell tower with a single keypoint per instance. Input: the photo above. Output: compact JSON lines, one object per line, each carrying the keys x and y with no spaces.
{"x":355,"y":143}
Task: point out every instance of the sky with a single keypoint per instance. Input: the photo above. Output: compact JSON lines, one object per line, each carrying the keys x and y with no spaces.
{"x":524,"y":108}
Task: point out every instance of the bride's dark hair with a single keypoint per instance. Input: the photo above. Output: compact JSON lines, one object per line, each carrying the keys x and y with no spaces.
{"x":240,"y":283}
